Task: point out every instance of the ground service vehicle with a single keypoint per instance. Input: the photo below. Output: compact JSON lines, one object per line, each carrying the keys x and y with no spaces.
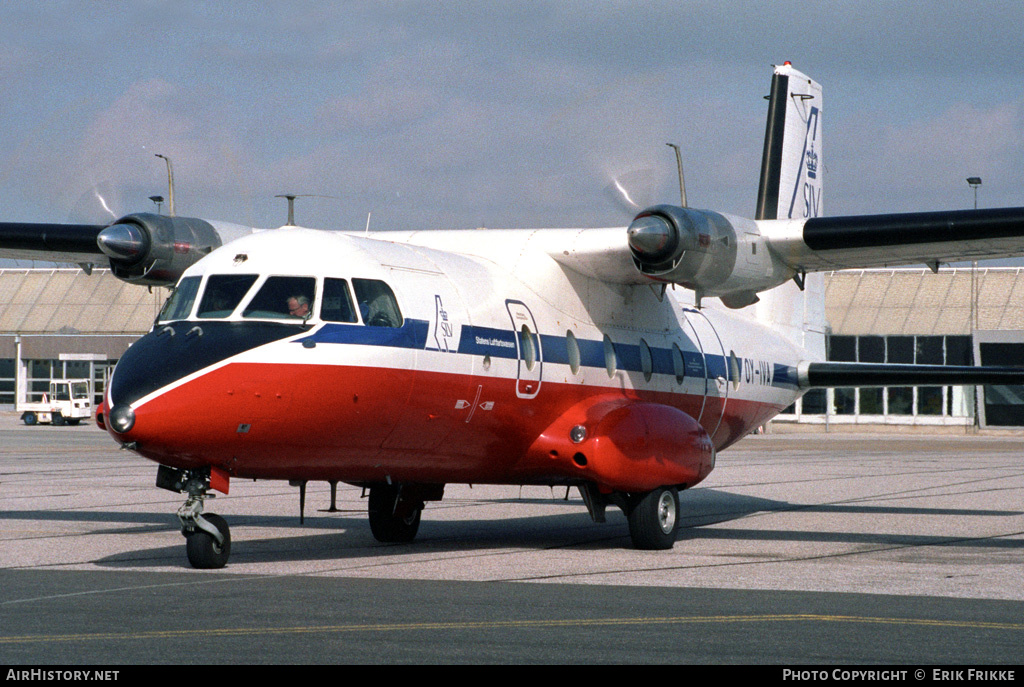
{"x":68,"y":402}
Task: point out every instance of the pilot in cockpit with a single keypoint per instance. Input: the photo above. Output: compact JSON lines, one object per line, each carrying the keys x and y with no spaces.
{"x":298,"y":306}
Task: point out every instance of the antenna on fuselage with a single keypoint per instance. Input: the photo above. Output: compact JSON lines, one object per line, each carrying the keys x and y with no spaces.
{"x":291,"y":204}
{"x":291,"y":208}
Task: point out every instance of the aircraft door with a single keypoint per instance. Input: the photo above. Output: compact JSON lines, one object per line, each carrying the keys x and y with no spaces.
{"x":695,"y":371}
{"x":528,"y":349}
{"x":440,"y":376}
{"x":716,"y":368}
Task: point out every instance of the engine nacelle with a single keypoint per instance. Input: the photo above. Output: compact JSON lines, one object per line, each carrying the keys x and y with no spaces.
{"x":710,"y":253}
{"x":693,"y":248}
{"x":154,"y":250}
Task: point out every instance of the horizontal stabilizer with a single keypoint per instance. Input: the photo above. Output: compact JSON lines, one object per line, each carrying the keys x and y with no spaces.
{"x":813,"y":375}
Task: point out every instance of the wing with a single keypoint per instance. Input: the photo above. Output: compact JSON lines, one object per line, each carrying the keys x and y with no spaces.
{"x":141,"y":248}
{"x":821,"y":375}
{"x":75,"y":243}
{"x":830,"y":243}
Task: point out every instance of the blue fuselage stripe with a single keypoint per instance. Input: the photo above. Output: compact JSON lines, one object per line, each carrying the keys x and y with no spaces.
{"x":501,"y":343}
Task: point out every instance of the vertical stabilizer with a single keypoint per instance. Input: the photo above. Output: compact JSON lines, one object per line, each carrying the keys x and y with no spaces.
{"x":791,"y":187}
{"x":791,"y":164}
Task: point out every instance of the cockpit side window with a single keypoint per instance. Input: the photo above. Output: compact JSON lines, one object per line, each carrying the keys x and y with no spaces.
{"x":179,"y":305}
{"x":337,"y":302}
{"x":223,"y":294}
{"x":377,"y":303}
{"x":283,"y":297}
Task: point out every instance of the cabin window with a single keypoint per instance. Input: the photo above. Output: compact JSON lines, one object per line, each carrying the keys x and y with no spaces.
{"x":283,"y":297}
{"x":734,"y":370}
{"x":179,"y":305}
{"x":610,"y":363}
{"x":573,"y":352}
{"x":678,"y":366}
{"x":646,"y":362}
{"x":337,"y":302}
{"x":377,"y":303}
{"x":223,"y":294}
{"x":527,"y":347}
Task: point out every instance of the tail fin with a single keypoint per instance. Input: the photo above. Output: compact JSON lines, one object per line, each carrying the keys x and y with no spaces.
{"x":791,"y":187}
{"x":791,"y":164}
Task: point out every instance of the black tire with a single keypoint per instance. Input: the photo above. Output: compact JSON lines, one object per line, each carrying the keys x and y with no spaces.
{"x":386,"y":525}
{"x":203,"y":551}
{"x":654,"y":519}
{"x":58,"y":420}
{"x":29,"y":419}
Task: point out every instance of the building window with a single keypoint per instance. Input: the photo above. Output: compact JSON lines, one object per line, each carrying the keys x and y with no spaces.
{"x":934,"y":404}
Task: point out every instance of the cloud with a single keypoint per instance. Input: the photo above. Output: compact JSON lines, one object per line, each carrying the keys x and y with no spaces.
{"x":923,"y":163}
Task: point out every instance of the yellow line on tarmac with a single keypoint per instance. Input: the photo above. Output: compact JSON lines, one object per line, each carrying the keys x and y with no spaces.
{"x":507,"y":624}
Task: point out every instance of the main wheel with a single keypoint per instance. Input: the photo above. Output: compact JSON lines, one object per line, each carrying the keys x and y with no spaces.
{"x":29,"y":419}
{"x":654,"y":519}
{"x":203,"y":550}
{"x":58,"y":420}
{"x":391,"y":520}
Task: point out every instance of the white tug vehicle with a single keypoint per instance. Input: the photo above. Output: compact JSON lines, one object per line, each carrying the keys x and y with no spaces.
{"x":68,"y":402}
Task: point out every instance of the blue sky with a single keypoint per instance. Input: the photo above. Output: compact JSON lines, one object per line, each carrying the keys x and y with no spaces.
{"x":464,"y":114}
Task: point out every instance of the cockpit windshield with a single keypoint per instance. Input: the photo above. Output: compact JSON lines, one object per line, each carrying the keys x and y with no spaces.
{"x":179,"y":305}
{"x":377,"y":303}
{"x":223,"y":294}
{"x":288,"y":297}
{"x":283,"y":297}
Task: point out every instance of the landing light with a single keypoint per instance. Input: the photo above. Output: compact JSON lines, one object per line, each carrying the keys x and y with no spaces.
{"x":121,"y":418}
{"x":578,"y":434}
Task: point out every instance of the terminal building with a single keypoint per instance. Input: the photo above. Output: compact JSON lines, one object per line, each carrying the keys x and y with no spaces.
{"x":949,"y":317}
{"x":65,"y":323}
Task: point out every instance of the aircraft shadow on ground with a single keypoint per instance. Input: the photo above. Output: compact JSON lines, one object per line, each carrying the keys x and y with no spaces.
{"x":346,"y":535}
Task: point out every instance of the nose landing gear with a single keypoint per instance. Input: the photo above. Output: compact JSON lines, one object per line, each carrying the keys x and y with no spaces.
{"x":207,"y":537}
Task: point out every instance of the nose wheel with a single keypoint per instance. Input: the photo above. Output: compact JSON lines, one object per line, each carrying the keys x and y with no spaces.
{"x":206,"y":550}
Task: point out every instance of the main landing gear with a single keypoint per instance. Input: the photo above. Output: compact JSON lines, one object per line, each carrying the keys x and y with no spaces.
{"x":207,"y":537}
{"x":653,"y":516}
{"x":395,"y":509}
{"x":654,"y":519}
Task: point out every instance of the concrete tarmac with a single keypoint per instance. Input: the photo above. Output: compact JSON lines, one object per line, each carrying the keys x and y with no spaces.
{"x":798,"y":549}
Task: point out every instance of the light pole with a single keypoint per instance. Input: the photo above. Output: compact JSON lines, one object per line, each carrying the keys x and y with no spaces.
{"x":974,"y":183}
{"x":170,"y":184}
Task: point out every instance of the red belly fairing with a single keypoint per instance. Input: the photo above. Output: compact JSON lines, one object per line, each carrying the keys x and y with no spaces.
{"x":359,"y":424}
